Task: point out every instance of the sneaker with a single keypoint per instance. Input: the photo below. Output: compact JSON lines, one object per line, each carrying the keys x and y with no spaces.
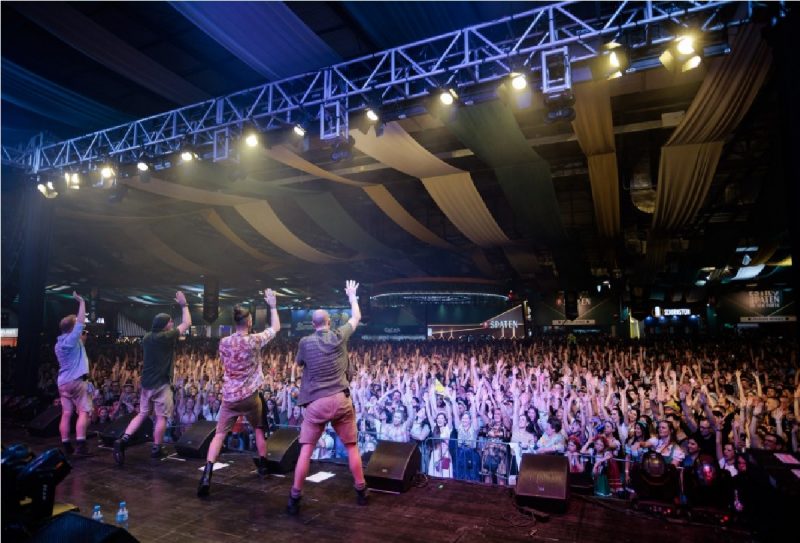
{"x":158,"y":453}
{"x":119,"y":451}
{"x":362,"y":497}
{"x":82,"y":449}
{"x":293,"y":507}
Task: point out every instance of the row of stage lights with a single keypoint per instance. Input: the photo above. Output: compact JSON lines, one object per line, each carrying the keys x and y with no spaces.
{"x":684,"y":53}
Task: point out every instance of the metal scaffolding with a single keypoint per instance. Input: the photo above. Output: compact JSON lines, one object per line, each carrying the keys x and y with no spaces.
{"x":462,"y":59}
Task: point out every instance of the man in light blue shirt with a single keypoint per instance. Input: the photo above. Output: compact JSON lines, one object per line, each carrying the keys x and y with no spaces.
{"x":73,"y":373}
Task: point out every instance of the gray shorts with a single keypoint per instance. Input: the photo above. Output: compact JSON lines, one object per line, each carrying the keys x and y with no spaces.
{"x":160,"y":398}
{"x":251,"y":407}
{"x":75,"y":396}
{"x":336,"y":409}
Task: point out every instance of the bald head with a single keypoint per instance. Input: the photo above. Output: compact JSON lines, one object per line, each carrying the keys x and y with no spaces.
{"x":320,"y":318}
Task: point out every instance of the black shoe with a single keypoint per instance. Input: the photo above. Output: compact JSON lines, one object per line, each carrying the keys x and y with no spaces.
{"x":205,"y":481}
{"x":361,"y":497}
{"x":68,"y":448}
{"x":82,"y":449}
{"x":157,"y":453}
{"x":261,"y":466}
{"x":293,"y":507}
{"x":119,"y":451}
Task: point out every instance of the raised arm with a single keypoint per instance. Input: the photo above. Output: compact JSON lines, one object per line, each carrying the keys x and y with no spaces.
{"x":350,"y":289}
{"x":274,"y":319}
{"x":186,"y":317}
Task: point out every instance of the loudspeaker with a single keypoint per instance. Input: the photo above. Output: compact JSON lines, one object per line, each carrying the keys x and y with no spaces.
{"x":73,"y":528}
{"x":45,"y":424}
{"x":571,"y":305}
{"x":210,"y":299}
{"x":117,"y":428}
{"x":542,"y":481}
{"x":195,"y":440}
{"x":392,"y":466}
{"x":283,"y":448}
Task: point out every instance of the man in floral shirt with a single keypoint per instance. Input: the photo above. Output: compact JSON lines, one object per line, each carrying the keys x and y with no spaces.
{"x":241,"y":360}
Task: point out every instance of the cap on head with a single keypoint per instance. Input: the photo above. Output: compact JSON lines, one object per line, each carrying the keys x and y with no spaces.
{"x":160,"y":321}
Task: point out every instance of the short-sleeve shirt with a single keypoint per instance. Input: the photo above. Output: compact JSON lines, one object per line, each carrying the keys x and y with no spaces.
{"x":158,"y":349}
{"x":241,"y":361}
{"x":327,"y":366}
{"x":71,"y":355}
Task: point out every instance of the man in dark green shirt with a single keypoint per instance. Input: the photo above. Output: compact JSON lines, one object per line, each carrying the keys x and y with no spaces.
{"x":158,"y":347}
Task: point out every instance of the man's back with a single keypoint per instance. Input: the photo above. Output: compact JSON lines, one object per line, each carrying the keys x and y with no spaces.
{"x":324,"y":356}
{"x":158,"y":349}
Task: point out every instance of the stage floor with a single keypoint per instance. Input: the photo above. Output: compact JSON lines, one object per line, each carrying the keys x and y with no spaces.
{"x":163,"y":506}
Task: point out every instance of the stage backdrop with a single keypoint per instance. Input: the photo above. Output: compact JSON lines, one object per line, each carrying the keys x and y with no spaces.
{"x":775,"y":305}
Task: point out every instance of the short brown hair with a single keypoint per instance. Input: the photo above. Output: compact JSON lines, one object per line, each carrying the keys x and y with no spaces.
{"x":68,"y":323}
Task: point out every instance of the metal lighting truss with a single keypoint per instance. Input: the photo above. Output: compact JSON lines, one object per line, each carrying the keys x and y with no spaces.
{"x":462,"y":59}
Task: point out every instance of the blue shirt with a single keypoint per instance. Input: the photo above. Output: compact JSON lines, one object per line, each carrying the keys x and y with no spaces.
{"x":71,"y":354}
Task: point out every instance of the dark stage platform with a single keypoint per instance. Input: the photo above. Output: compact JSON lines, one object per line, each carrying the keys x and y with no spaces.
{"x":163,"y":507}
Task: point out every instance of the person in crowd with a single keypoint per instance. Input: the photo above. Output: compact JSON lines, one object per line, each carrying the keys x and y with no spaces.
{"x":157,"y":375}
{"x":73,"y":374}
{"x":244,"y":378}
{"x":325,"y":393}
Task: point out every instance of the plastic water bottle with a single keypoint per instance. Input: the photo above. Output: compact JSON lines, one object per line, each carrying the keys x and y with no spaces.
{"x":97,"y":514}
{"x":122,"y":515}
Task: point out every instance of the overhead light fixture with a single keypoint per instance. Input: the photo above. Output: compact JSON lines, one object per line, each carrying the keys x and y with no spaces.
{"x":107,"y":172}
{"x":299,"y":130}
{"x":142,"y":166}
{"x":47,"y":189}
{"x":188,"y":156}
{"x":371,"y":115}
{"x":73,"y":180}
{"x":612,"y":62}
{"x":448,"y":96}
{"x":683,"y":54}
{"x":518,"y":81}
{"x":251,"y":140}
{"x":746,"y":260}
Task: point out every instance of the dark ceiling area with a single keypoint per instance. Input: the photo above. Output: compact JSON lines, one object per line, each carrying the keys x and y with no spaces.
{"x":56,"y":83}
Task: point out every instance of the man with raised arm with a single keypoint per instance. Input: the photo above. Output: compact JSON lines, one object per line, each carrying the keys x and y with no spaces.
{"x":240,"y":354}
{"x":73,"y":375}
{"x":158,"y":347}
{"x":325,"y":392}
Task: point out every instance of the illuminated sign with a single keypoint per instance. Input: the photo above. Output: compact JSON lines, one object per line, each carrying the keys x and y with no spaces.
{"x":677,"y":311}
{"x":770,"y":318}
{"x":504,"y":324}
{"x":765,"y":299}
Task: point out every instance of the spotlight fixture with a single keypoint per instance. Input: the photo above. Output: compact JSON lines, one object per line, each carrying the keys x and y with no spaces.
{"x":188,"y":156}
{"x":518,"y":81}
{"x":47,"y":189}
{"x":371,"y":115}
{"x":251,"y":140}
{"x":612,"y":62}
{"x":448,"y":96}
{"x":299,"y":130}
{"x":142,"y":166}
{"x":683,"y":54}
{"x":73,"y":180}
{"x":107,"y":172}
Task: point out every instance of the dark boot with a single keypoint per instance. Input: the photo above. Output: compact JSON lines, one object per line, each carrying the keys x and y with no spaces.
{"x":68,"y":448}
{"x":82,"y":449}
{"x":205,"y":480}
{"x":293,"y":507}
{"x":261,"y":466}
{"x":119,"y":449}
{"x":157,"y":452}
{"x":361,"y":496}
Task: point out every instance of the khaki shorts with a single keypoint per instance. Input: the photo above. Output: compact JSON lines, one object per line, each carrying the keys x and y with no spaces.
{"x":75,"y":396}
{"x":336,"y":409}
{"x":160,"y":397}
{"x":251,"y":407}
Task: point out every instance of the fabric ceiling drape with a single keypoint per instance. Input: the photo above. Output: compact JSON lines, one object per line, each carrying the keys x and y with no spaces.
{"x":595,"y":130}
{"x":145,"y":238}
{"x":452,"y":189}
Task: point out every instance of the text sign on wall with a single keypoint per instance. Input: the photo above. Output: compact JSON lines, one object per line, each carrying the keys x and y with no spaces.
{"x":765,"y":299}
{"x":677,"y":312}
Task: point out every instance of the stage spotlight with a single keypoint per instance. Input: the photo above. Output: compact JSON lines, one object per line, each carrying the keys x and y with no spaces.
{"x":107,"y":172}
{"x":47,"y":190}
{"x":73,"y":180}
{"x":371,"y":115}
{"x":612,"y":62}
{"x":518,"y":81}
{"x":251,"y":140}
{"x":448,"y":96}
{"x":188,"y":156}
{"x":299,"y":130}
{"x":683,"y":54}
{"x":142,"y":166}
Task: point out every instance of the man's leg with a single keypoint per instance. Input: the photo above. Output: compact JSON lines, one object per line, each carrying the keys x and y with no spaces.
{"x":63,"y":427}
{"x":356,"y":468}
{"x":224,"y":424}
{"x":121,"y":443}
{"x":84,"y":406}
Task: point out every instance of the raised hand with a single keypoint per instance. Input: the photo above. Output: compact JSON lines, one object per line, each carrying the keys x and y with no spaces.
{"x":180,"y":297}
{"x":77,"y":297}
{"x":269,"y":297}
{"x":350,"y":288}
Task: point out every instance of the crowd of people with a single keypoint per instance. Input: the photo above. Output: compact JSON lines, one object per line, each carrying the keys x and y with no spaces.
{"x":476,"y":408}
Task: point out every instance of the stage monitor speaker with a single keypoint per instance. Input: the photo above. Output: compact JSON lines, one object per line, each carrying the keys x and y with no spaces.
{"x":73,"y":528}
{"x":542,"y":481}
{"x":210,"y":300}
{"x":283,"y":448}
{"x":45,"y":424}
{"x":117,"y":427}
{"x":392,"y":466}
{"x":571,"y":305}
{"x":196,"y":439}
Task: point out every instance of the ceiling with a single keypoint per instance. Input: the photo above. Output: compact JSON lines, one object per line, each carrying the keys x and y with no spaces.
{"x":97,"y":243}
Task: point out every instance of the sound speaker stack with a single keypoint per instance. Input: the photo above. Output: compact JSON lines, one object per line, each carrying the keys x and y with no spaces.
{"x":543,"y":482}
{"x":196,"y":439}
{"x":392,"y":466}
{"x":116,"y":428}
{"x":283,"y":448}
